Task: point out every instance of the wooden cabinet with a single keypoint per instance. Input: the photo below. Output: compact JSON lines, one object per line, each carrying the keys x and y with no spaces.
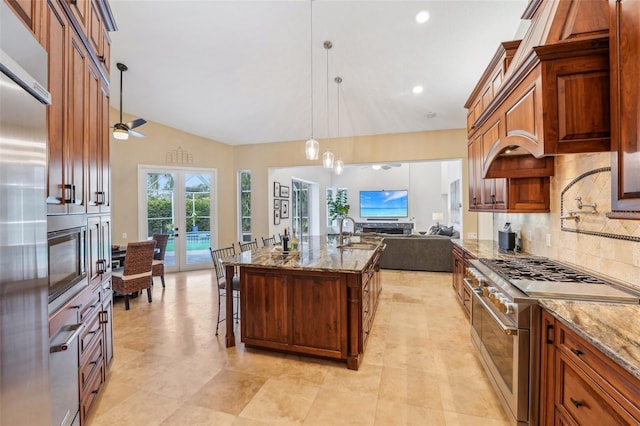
{"x":460,"y":260}
{"x":99,"y":248}
{"x":545,"y":95}
{"x":510,"y":194}
{"x":98,"y":196}
{"x":78,"y":139}
{"x":29,"y":12}
{"x":625,"y":107}
{"x":579,"y":384}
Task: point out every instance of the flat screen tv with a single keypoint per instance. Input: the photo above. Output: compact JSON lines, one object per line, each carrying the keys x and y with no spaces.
{"x":384,"y":204}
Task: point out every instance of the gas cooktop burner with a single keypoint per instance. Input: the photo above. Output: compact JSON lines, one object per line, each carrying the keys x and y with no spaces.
{"x":538,"y":269}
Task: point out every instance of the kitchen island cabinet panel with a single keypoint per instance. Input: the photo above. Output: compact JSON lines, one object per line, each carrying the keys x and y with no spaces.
{"x":316,"y":324}
{"x":265,"y":318}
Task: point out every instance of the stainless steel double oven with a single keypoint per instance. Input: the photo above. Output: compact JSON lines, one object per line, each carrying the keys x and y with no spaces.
{"x":504,"y":338}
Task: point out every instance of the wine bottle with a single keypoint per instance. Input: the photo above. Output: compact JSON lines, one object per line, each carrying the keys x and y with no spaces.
{"x":285,"y":240}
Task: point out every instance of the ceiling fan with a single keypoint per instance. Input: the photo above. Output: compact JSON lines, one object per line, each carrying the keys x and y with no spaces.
{"x":383,"y":166}
{"x":123,"y":130}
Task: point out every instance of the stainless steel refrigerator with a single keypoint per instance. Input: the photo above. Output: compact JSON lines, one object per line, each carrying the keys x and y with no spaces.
{"x":24,"y":332}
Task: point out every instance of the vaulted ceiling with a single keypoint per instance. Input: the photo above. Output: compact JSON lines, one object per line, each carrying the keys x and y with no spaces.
{"x":240,"y":72}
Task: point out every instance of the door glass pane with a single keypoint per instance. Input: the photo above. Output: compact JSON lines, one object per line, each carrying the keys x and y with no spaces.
{"x":300,"y":210}
{"x":197,"y":198}
{"x":245,"y":206}
{"x":160,"y":210}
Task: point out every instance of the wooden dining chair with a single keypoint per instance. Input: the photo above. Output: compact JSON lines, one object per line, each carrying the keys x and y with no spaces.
{"x":269,"y":242}
{"x":221,"y":280}
{"x":157,"y":268}
{"x":136,"y":274}
{"x":251,"y":245}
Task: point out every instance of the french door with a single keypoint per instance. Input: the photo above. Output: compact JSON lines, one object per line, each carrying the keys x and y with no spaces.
{"x":179,"y":202}
{"x":300,"y":218}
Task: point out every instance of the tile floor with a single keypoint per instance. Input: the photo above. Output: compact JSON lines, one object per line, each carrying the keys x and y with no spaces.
{"x":419,"y":367}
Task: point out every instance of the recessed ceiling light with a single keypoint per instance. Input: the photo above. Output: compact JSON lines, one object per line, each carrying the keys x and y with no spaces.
{"x":417,"y":90}
{"x":422,"y":17}
{"x":431,"y":114}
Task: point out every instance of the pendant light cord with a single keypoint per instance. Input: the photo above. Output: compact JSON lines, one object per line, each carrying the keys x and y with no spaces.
{"x":328,"y":132}
{"x":311,"y":59}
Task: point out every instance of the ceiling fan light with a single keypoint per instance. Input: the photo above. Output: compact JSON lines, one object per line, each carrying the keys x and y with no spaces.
{"x":120,"y":134}
{"x":338,"y":167}
{"x":327,"y":160}
{"x":311,"y":149}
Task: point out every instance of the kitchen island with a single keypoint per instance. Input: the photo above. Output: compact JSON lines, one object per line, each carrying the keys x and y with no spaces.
{"x":320,"y":301}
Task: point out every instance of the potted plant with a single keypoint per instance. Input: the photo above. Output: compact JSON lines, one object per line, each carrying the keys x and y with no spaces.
{"x":338,"y":206}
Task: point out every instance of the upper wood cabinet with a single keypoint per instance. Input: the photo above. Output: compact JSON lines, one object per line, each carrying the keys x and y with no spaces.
{"x":549,"y":93}
{"x":78,"y":138}
{"x":29,"y":11}
{"x":625,"y":108}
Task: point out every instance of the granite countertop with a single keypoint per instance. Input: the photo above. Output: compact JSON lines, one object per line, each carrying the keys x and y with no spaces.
{"x":485,"y":249}
{"x":613,"y":328}
{"x":320,"y":254}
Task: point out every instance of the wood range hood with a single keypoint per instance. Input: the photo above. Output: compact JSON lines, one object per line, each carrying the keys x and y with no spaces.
{"x":546,"y":94}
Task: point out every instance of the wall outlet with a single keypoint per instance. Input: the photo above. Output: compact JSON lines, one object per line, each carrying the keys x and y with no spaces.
{"x":124,"y":235}
{"x":529,"y":235}
{"x":548,"y":240}
{"x":472,"y":235}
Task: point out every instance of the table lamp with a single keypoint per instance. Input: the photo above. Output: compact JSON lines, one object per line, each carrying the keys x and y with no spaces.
{"x":437,"y":217}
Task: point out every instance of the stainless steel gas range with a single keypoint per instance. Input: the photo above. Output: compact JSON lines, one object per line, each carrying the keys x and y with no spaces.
{"x":505,"y":320}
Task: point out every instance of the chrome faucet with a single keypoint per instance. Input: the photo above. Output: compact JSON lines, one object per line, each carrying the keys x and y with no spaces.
{"x":341,"y":241}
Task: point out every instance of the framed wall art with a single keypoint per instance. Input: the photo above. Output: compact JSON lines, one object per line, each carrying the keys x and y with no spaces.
{"x":276,"y":189}
{"x":284,"y":209}
{"x":284,"y":191}
{"x":276,"y":217}
{"x":276,"y":204}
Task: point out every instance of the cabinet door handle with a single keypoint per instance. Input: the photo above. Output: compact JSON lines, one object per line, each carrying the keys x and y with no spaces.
{"x":102,"y":59}
{"x":578,"y":352}
{"x":493,"y":199}
{"x":474,"y":201}
{"x":576,"y":402}
{"x":548,"y":334}
{"x":68,"y":193}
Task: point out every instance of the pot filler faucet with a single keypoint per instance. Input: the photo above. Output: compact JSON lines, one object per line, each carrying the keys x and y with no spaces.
{"x":342,"y":227}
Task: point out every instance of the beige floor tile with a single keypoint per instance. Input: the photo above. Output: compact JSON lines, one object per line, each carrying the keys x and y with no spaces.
{"x":281,"y":402}
{"x":229,"y":391}
{"x":193,"y":415}
{"x":342,"y":408}
{"x":480,"y":400}
{"x":138,"y":409}
{"x":390,"y":413}
{"x":419,"y":367}
{"x":411,"y":387}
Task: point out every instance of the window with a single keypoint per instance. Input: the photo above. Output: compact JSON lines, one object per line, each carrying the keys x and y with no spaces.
{"x":245,"y":205}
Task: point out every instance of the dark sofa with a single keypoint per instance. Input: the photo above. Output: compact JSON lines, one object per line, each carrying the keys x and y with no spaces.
{"x":418,"y":252}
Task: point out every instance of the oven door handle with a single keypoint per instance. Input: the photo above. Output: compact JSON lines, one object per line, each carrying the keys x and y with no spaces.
{"x":511,"y":331}
{"x":76,"y":329}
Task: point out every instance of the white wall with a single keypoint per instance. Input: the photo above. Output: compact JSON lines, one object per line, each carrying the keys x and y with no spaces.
{"x":425,"y":182}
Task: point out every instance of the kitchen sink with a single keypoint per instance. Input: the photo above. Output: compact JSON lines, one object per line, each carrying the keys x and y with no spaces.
{"x":358,"y":246}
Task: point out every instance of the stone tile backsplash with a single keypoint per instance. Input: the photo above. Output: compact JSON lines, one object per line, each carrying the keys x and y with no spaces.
{"x":595,"y":241}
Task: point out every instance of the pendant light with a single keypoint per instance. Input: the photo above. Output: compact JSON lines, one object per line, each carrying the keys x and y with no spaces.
{"x":338,"y":166}
{"x":327,"y":157}
{"x":311,"y":147}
